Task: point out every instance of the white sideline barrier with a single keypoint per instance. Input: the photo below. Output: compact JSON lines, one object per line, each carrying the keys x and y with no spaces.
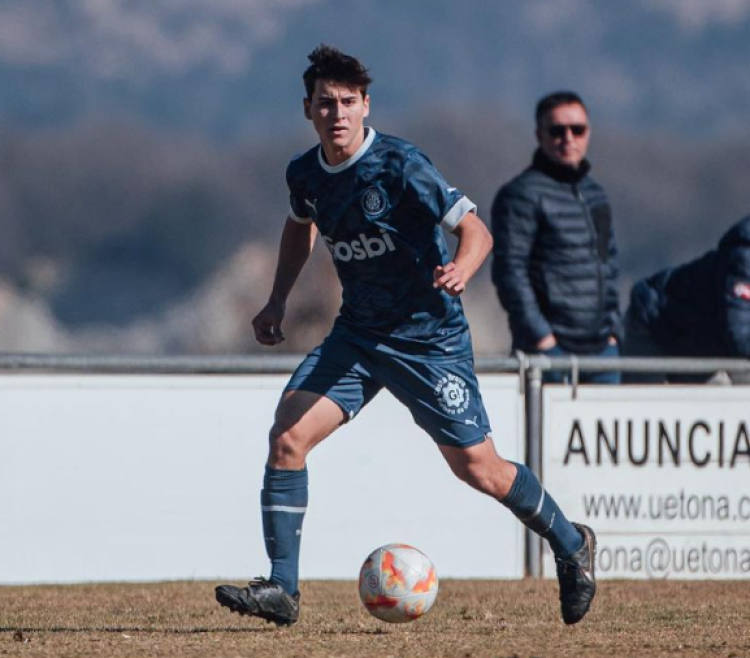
{"x":139,"y":478}
{"x":661,"y":474}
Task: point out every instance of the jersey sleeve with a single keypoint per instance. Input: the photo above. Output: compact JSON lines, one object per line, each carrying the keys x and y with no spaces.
{"x":297,"y":207}
{"x":425,"y":187}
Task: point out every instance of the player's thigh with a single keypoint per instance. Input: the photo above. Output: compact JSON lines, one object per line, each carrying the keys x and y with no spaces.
{"x":339,"y":371}
{"x":303,"y":419}
{"x":328,"y":389}
{"x":443,"y":398}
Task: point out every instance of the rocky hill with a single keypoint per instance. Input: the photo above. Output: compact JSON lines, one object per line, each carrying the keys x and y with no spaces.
{"x":143,"y":145}
{"x":232,"y":68}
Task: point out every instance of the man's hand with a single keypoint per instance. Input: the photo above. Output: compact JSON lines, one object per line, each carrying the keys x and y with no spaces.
{"x":267,"y":324}
{"x":547,"y":343}
{"x":449,"y":277}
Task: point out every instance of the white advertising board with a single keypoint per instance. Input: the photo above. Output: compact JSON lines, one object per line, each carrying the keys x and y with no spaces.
{"x":662,"y":474}
{"x":119,"y":478}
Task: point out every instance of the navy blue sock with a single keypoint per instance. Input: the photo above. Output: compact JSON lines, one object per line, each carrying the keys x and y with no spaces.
{"x":283,"y":505}
{"x":538,"y":511}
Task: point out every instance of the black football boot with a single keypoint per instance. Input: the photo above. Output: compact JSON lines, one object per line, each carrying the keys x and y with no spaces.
{"x":577,"y":579}
{"x":261,"y":598}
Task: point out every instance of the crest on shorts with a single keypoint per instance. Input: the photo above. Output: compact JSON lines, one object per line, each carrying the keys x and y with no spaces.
{"x":453,"y":395}
{"x":373,"y":201}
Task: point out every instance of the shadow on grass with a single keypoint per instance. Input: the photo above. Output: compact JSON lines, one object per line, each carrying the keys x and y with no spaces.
{"x":198,"y":630}
{"x":131,"y":629}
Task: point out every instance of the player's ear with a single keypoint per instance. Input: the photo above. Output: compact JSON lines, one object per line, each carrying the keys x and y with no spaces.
{"x":366,"y":103}
{"x":306,"y":104}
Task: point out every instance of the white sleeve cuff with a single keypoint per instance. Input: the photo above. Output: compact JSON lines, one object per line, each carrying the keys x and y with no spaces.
{"x":457,"y":213}
{"x":298,"y":219}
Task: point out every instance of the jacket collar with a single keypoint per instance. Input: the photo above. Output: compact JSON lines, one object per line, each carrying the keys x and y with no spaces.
{"x":560,"y":173}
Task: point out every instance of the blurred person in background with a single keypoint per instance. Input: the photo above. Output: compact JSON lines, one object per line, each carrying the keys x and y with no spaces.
{"x":698,"y":309}
{"x":555,"y":258}
{"x":381,"y":208}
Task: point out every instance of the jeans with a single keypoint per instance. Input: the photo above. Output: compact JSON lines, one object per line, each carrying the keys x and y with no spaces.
{"x":612,"y":350}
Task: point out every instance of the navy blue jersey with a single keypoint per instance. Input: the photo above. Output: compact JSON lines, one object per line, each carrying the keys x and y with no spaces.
{"x":381,"y":213}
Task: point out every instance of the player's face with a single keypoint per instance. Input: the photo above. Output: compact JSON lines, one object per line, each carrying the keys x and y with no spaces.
{"x":563,"y":134}
{"x":338,"y":113}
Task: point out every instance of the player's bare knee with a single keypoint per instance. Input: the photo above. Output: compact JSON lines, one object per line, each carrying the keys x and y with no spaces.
{"x":286,"y":449}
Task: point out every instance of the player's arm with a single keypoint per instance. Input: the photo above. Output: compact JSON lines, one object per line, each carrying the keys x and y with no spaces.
{"x":297,"y":241}
{"x":474,"y":244}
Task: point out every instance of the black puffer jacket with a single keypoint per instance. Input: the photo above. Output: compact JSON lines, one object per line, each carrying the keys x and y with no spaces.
{"x":554,"y":262}
{"x":701,"y":308}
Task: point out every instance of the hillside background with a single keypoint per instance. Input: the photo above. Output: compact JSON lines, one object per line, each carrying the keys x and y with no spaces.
{"x":143,"y":145}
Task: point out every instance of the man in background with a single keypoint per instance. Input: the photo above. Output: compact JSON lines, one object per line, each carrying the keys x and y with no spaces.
{"x":698,"y":309}
{"x":555,"y":265}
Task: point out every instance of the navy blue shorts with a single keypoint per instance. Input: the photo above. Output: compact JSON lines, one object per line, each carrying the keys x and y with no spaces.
{"x":443,"y":398}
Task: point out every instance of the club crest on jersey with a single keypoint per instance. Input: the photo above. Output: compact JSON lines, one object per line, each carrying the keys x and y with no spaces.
{"x":373,"y":201}
{"x":452,"y":394}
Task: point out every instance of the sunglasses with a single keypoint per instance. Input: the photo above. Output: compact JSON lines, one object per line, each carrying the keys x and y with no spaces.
{"x":558,"y":130}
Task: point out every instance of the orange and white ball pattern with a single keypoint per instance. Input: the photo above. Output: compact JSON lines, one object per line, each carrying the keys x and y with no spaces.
{"x":398,"y":583}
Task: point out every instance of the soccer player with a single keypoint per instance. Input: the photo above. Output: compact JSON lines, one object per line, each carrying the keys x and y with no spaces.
{"x":381,"y":208}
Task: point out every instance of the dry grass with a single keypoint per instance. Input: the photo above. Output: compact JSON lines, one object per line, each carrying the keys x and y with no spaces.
{"x":472,"y":619}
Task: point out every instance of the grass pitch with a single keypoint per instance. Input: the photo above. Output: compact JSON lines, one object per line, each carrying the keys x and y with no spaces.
{"x":471,"y":619}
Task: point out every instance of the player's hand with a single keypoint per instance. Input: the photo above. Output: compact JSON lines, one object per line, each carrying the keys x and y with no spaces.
{"x":267,"y":324}
{"x":449,"y":278}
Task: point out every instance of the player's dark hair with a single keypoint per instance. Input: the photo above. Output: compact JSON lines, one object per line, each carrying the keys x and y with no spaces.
{"x":551,"y":101}
{"x":329,"y":63}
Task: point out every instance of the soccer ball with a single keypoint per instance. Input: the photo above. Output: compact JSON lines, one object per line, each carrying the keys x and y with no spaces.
{"x":397,"y":583}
